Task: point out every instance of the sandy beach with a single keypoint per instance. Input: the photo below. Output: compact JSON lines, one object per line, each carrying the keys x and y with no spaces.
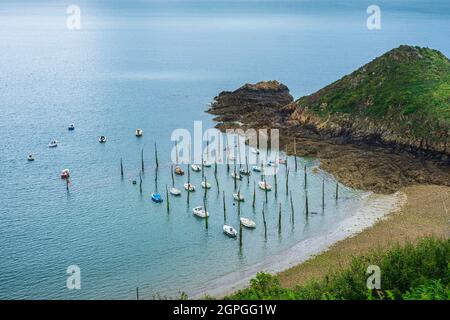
{"x":372,"y":210}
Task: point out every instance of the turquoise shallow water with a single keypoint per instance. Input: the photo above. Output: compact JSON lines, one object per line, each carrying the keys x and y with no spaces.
{"x":156,"y":65}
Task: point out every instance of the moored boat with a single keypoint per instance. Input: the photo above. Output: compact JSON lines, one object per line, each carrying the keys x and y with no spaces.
{"x":174,"y":191}
{"x":65,"y":174}
{"x":264,"y":185}
{"x":229,"y":231}
{"x":71,"y":127}
{"x":53,"y":144}
{"x":139,"y":132}
{"x":244,"y":172}
{"x":196,"y":168}
{"x":206,"y":163}
{"x":248,"y":223}
{"x":156,"y":197}
{"x":206,"y":185}
{"x":102,"y":139}
{"x":200,"y":212}
{"x":256,"y":168}
{"x":255,"y":150}
{"x":236,"y":176}
{"x":238,"y":196}
{"x":282,"y":161}
{"x":178,"y":171}
{"x":189,"y":187}
{"x":30,"y":157}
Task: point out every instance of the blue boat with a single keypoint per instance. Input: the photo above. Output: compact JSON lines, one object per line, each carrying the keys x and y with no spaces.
{"x":156,"y":197}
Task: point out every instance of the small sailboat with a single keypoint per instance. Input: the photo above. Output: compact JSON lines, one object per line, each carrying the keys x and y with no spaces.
{"x":248,"y":223}
{"x":238,"y":197}
{"x":30,"y":157}
{"x":236,"y":176}
{"x":264,"y":185}
{"x":229,"y":231}
{"x":196,"y":168}
{"x":189,"y":187}
{"x":156,"y":197}
{"x":200,"y":212}
{"x":244,"y":172}
{"x":256,"y":168}
{"x":206,"y":185}
{"x":207,"y":164}
{"x":102,"y":139}
{"x":174,"y":191}
{"x":65,"y":174}
{"x":178,"y":171}
{"x":53,"y":144}
{"x":138,"y":132}
{"x":255,"y":151}
{"x":71,"y":127}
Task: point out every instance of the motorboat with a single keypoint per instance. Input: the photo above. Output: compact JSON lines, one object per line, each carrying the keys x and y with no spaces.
{"x":200,"y":212}
{"x":53,"y":144}
{"x":248,"y":223}
{"x":138,"y":132}
{"x":134,"y":182}
{"x":174,"y":191}
{"x":236,"y":176}
{"x":255,"y":151}
{"x":178,"y":171}
{"x":206,"y":185}
{"x":189,"y":187}
{"x":256,"y":169}
{"x":229,"y":231}
{"x":196,"y":168}
{"x":238,"y":196}
{"x":244,"y":172}
{"x":102,"y":139}
{"x":30,"y":157}
{"x":65,"y":174}
{"x":264,"y":185}
{"x":207,"y":164}
{"x":71,"y":127}
{"x":156,"y":197}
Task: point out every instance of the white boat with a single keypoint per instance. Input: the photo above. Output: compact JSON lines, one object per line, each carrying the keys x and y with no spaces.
{"x":256,"y":169}
{"x":229,"y":231}
{"x":206,"y":185}
{"x":248,"y":223}
{"x":282,"y":161}
{"x":102,"y":139}
{"x":71,"y":127}
{"x":271,"y":163}
{"x":264,"y":185}
{"x":238,"y":197}
{"x":174,"y":191}
{"x":206,"y":163}
{"x":244,"y":172}
{"x":196,"y":167}
{"x":236,"y":176}
{"x":200,"y":212}
{"x":255,"y":151}
{"x":30,"y":157}
{"x":53,"y":144}
{"x":138,"y":132}
{"x":189,"y":187}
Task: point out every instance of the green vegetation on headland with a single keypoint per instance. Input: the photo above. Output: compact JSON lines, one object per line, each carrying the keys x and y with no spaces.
{"x":411,"y":272}
{"x":401,"y":97}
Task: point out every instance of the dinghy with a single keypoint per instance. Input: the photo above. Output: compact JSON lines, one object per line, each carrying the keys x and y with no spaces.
{"x":248,"y":223}
{"x":138,"y":132}
{"x":238,"y":197}
{"x":196,"y":168}
{"x":206,"y":185}
{"x":256,"y":169}
{"x":244,"y":172}
{"x":30,"y":157}
{"x":156,"y":197}
{"x":102,"y":139}
{"x":174,"y":191}
{"x":264,"y":185}
{"x":53,"y":144}
{"x":65,"y":174}
{"x":236,"y":176}
{"x":71,"y":127}
{"x":206,"y":163}
{"x":255,"y":151}
{"x":271,"y":163}
{"x":200,"y":212}
{"x":178,"y":171}
{"x":229,"y":231}
{"x":189,"y":187}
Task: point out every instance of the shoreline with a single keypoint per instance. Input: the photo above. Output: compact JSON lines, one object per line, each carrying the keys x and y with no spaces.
{"x":372,"y":209}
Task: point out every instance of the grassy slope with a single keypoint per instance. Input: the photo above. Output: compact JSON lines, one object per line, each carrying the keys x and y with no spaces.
{"x":408,"y":89}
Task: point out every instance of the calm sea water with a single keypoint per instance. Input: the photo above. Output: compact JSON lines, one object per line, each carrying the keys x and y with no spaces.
{"x":156,"y":65}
